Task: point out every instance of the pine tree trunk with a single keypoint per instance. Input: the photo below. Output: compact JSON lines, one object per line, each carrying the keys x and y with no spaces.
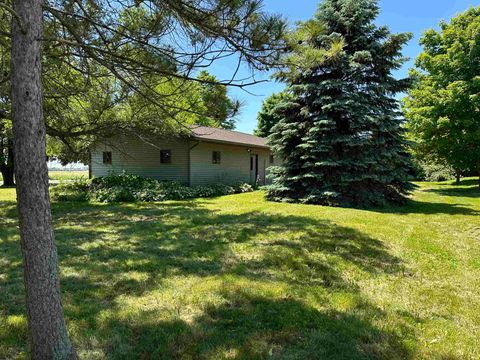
{"x":7,"y":169}
{"x":49,"y":338}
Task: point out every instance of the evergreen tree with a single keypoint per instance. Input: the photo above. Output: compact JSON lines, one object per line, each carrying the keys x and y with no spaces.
{"x":341,"y":137}
{"x":268,"y":117}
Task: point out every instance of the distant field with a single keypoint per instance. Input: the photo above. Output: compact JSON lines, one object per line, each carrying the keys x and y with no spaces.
{"x":67,"y":175}
{"x":63,"y":175}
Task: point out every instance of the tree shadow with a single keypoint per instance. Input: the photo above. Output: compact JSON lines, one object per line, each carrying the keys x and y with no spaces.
{"x":427,"y":208}
{"x":8,"y":209}
{"x":460,"y":191}
{"x":7,"y":186}
{"x":103,"y":248}
{"x":249,"y":326}
{"x":197,"y":241}
{"x":463,"y":182}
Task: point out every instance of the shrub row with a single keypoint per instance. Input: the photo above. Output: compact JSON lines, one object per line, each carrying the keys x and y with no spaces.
{"x":130,"y":188}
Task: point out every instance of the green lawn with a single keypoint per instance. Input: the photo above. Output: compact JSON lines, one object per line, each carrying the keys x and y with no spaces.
{"x":240,"y":278}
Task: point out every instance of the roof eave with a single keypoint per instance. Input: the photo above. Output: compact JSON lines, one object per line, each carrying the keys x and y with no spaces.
{"x":230,"y":142}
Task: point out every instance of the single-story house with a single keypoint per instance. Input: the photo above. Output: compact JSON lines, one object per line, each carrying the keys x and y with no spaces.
{"x":206,"y":156}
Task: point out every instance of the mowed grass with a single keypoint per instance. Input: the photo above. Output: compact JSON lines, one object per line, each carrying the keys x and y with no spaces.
{"x":237,"y":277}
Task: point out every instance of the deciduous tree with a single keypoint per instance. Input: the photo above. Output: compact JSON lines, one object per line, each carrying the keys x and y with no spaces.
{"x":6,"y":138}
{"x":220,"y":109}
{"x":268,"y":117}
{"x":443,"y":107}
{"x":6,"y":153}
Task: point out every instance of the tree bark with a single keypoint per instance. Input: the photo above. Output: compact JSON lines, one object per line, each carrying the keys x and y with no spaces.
{"x":7,"y":169}
{"x":458,"y":176}
{"x":48,"y":332}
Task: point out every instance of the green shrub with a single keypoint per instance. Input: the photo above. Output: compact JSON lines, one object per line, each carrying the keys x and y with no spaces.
{"x":130,"y":188}
{"x":431,"y":171}
{"x":76,"y":190}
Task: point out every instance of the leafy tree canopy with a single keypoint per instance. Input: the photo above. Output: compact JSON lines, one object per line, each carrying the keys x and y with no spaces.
{"x":137,"y":66}
{"x":268,"y":117}
{"x":443,"y":107}
{"x":101,"y":111}
{"x":220,"y":110}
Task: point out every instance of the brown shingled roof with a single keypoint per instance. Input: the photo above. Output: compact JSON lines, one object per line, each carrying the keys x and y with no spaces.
{"x":227,"y":136}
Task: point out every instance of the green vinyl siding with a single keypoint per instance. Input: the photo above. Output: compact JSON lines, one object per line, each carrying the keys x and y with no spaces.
{"x":191,"y":161}
{"x":234,"y":165}
{"x":139,"y":158}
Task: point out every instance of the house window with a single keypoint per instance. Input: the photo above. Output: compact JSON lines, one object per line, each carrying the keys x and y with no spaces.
{"x":272,"y":159}
{"x":216,"y":157}
{"x":165,"y":156}
{"x":107,"y":157}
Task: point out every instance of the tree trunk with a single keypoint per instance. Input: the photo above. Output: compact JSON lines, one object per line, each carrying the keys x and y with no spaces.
{"x":49,"y":337}
{"x":7,"y":169}
{"x":458,"y":176}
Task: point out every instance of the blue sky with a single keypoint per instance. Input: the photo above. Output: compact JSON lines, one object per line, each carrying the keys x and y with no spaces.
{"x":413,"y":16}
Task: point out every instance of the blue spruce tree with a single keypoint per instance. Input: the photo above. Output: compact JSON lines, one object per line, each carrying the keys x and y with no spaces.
{"x":340,"y":136}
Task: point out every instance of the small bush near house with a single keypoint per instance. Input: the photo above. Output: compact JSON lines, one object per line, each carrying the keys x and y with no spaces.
{"x":76,"y":190}
{"x":130,"y":188}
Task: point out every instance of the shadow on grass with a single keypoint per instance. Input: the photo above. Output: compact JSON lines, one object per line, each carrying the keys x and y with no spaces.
{"x":427,"y":208}
{"x":465,"y":182}
{"x":248,"y":326}
{"x":459,"y":191}
{"x":101,"y":248}
{"x":7,"y":187}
